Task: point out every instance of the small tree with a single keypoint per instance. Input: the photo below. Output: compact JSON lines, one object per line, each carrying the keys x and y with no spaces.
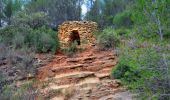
{"x":1,"y":12}
{"x":9,"y":7}
{"x":8,"y":10}
{"x":58,"y":11}
{"x":154,"y":14}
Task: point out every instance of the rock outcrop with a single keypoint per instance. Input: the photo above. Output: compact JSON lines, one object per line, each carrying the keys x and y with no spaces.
{"x":86,"y":76}
{"x":81,"y":31}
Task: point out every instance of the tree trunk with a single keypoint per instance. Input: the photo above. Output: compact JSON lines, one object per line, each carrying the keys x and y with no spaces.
{"x":0,"y":23}
{"x":160,"y":28}
{"x":0,"y":12}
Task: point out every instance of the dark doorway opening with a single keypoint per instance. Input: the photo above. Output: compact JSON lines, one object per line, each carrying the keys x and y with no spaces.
{"x":74,"y":37}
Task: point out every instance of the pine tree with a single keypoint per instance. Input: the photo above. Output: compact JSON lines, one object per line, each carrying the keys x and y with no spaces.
{"x":1,"y":12}
{"x":8,"y":10}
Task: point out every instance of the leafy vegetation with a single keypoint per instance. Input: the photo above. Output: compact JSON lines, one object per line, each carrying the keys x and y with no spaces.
{"x":152,"y":16}
{"x":138,"y":30}
{"x":139,"y":66}
{"x":26,"y":92}
{"x":29,"y":31}
{"x":19,"y":65}
{"x":140,"y":37}
{"x":26,"y":35}
{"x":107,"y":39}
{"x":71,"y":50}
{"x":123,"y":19}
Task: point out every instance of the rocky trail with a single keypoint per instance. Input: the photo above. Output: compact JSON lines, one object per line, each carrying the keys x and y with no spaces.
{"x":84,"y":76}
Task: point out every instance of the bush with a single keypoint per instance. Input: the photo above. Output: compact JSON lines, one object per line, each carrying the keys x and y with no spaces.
{"x":107,"y":39}
{"x":2,"y":81}
{"x":123,"y":20}
{"x":19,"y":65}
{"x":125,"y":71}
{"x":122,"y":32}
{"x":24,"y":92}
{"x":30,"y":31}
{"x":46,"y":40}
{"x":143,"y":68}
{"x":71,"y":50}
{"x":42,"y":39}
{"x":20,"y":62}
{"x":33,"y":20}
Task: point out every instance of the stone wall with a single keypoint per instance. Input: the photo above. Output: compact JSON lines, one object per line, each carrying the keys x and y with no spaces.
{"x":84,"y":28}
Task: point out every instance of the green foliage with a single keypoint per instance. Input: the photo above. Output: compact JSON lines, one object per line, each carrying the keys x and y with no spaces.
{"x":2,"y":81}
{"x":8,"y":9}
{"x":58,"y":11}
{"x":143,"y":59}
{"x":71,"y":50}
{"x":39,"y":40}
{"x":122,"y":32}
{"x":107,"y":39}
{"x":21,"y":64}
{"x":17,"y":5}
{"x":103,"y":11}
{"x":24,"y":92}
{"x":125,"y":71}
{"x":152,"y":17}
{"x":45,"y":40}
{"x":142,"y":66}
{"x":22,"y":61}
{"x":33,"y":20}
{"x":29,"y":31}
{"x":123,"y":20}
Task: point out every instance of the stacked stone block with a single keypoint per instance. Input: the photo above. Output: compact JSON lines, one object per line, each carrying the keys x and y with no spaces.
{"x":84,"y":28}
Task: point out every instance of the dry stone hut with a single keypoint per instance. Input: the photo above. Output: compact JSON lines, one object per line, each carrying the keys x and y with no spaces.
{"x":77,"y":31}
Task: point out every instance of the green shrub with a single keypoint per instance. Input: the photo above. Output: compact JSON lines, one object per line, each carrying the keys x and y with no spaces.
{"x":24,"y":92}
{"x":33,"y":20}
{"x":147,"y":31}
{"x":18,"y":40}
{"x":123,"y":20}
{"x":107,"y":39}
{"x":151,"y":22}
{"x":2,"y":81}
{"x":125,"y":71}
{"x":30,"y":31}
{"x":21,"y":60}
{"x":143,"y":68}
{"x":42,"y":39}
{"x":71,"y":50}
{"x":21,"y":64}
{"x":122,"y":32}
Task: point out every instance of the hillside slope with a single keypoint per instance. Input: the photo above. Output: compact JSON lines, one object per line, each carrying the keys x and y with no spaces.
{"x":85,"y":76}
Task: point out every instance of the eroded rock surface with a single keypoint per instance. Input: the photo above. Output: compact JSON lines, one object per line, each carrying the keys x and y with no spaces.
{"x":85,"y":76}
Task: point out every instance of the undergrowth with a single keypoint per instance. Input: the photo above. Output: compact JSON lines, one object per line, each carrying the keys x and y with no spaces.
{"x":144,"y":67}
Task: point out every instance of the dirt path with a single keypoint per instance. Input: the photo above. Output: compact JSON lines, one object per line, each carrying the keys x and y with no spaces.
{"x":85,"y":76}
